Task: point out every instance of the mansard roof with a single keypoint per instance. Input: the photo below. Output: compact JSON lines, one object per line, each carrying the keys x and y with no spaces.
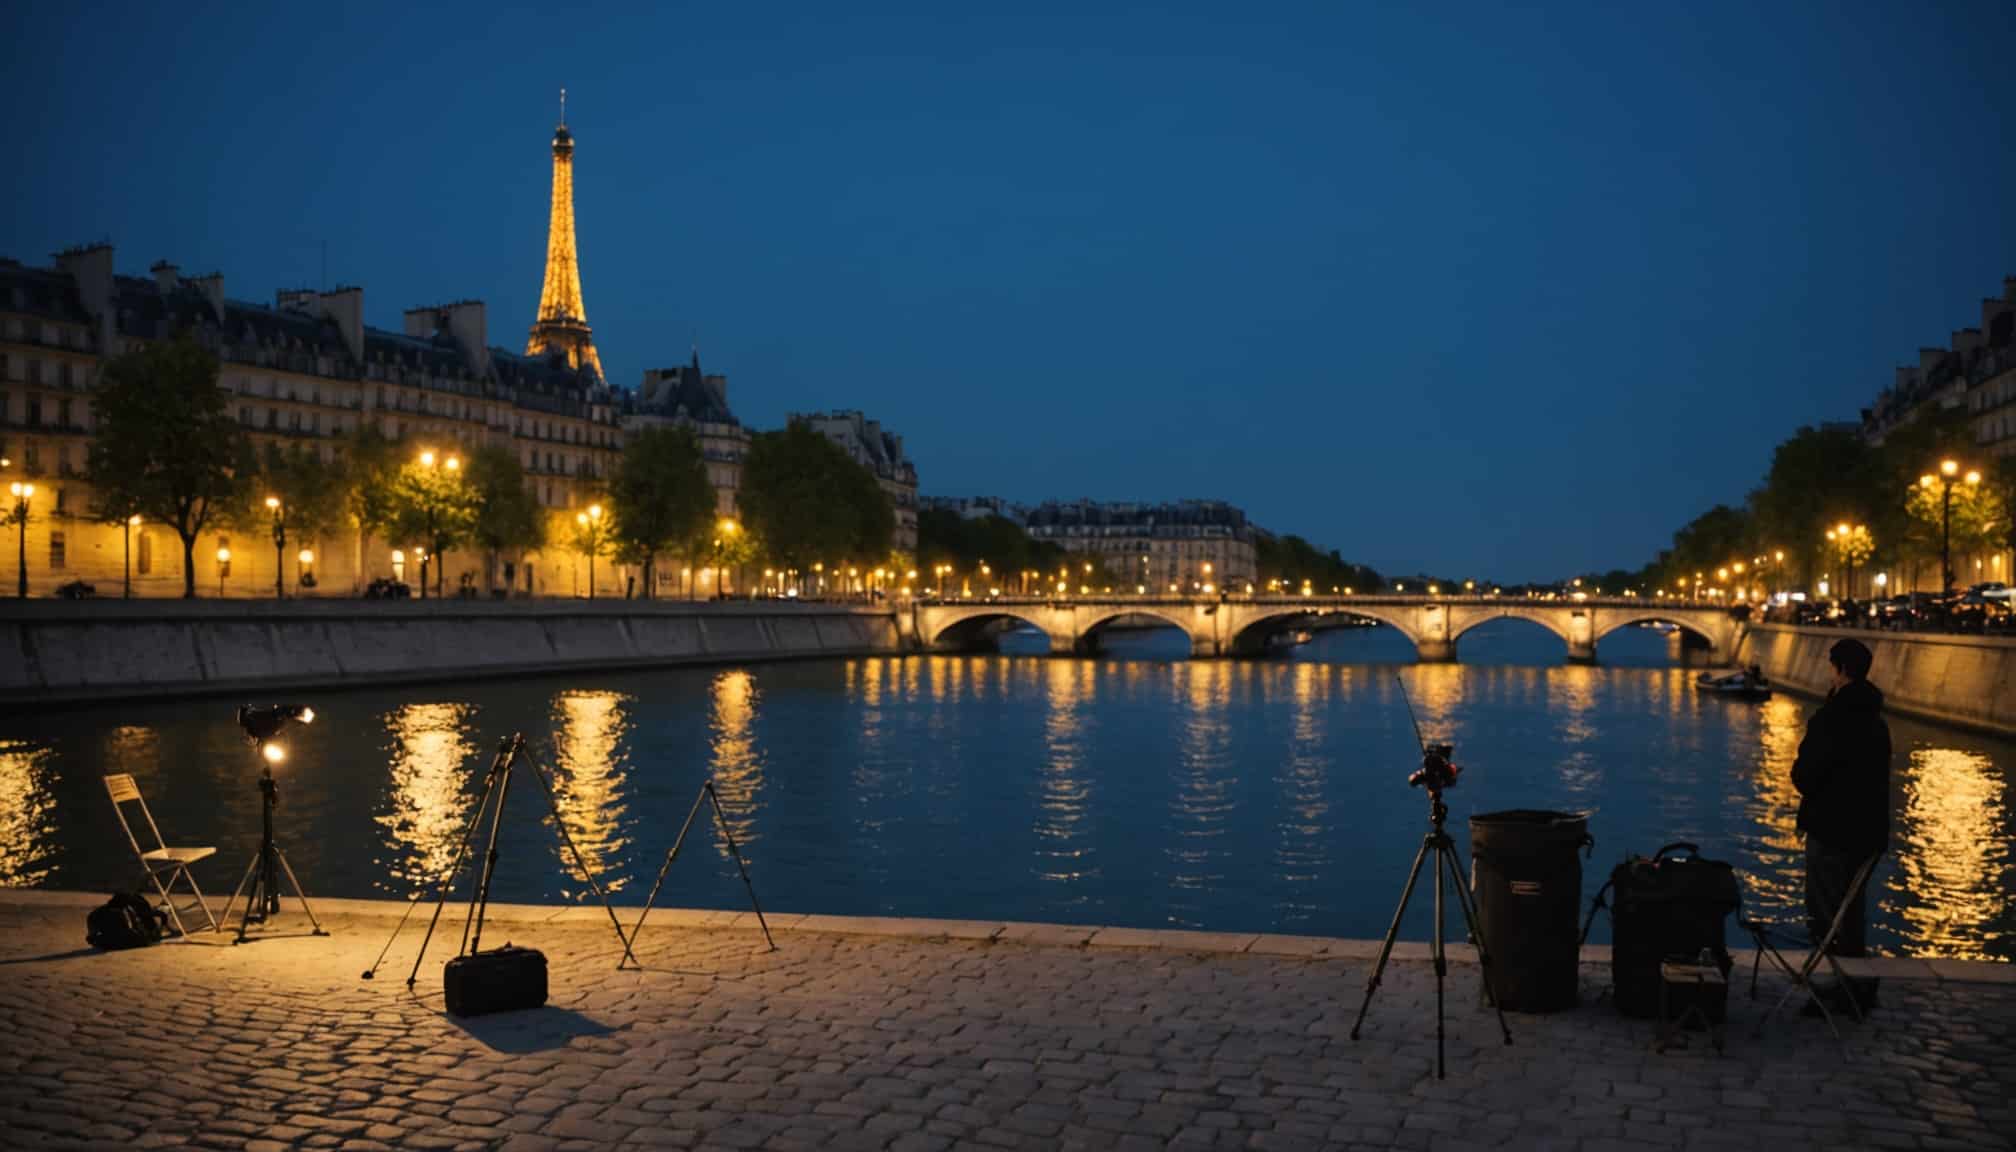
{"x":41,"y":292}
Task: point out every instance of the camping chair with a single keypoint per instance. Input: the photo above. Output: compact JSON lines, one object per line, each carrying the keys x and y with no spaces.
{"x":159,"y":861}
{"x":1802,"y":976}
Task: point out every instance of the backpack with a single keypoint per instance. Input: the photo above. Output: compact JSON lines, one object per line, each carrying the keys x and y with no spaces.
{"x":1664,"y":908}
{"x":125,"y":921}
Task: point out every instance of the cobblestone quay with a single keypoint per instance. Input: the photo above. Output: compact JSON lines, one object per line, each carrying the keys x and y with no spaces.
{"x":927,"y":1034}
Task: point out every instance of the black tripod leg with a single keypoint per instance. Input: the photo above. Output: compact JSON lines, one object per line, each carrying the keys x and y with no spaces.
{"x":454,"y":870}
{"x":479,"y":900}
{"x":722,"y":817}
{"x":1477,"y":935}
{"x":1441,"y":959}
{"x":677,"y":843}
{"x":1392,"y":933}
{"x":553,"y":802}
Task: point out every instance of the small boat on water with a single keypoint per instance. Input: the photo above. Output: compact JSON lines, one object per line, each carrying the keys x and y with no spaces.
{"x":1742,"y":684}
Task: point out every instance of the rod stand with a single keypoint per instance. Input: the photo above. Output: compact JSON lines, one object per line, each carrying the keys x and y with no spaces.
{"x":261,"y":883}
{"x":706,"y":795}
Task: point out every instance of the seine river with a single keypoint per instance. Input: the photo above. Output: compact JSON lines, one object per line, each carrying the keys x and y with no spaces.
{"x":1132,"y":790}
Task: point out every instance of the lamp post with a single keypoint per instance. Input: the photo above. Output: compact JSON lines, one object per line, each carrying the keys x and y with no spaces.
{"x":729,"y":529}
{"x":223,"y":566}
{"x":279,"y":547}
{"x":452,"y":464}
{"x":304,"y":571}
{"x":131,"y":523}
{"x":590,"y":523}
{"x":22,"y":494}
{"x":1849,"y":539}
{"x":1948,"y":469}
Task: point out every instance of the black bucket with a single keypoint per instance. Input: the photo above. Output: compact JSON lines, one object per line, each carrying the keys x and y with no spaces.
{"x":1528,"y":888}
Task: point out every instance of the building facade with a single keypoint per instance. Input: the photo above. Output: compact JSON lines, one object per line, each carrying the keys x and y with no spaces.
{"x":881,"y":452}
{"x":1168,"y":548}
{"x":686,"y":397}
{"x":305,"y":371}
{"x":976,"y":507}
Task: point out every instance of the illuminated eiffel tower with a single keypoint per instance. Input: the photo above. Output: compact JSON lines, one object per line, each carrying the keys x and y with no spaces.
{"x":563,"y":320}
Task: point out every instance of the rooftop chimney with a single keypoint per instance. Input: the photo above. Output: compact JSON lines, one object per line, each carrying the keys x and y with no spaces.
{"x":212,"y":287}
{"x":90,"y":268}
{"x":164,"y":276}
{"x":1966,"y":340}
{"x":345,"y":306}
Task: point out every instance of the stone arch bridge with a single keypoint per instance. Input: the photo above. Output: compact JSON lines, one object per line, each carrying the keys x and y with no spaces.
{"x":1243,"y":625}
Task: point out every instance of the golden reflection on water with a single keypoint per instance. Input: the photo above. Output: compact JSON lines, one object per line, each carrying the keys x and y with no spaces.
{"x":27,"y":813}
{"x":1202,"y":803}
{"x":1065,"y":855}
{"x":431,"y":748}
{"x":732,"y":753}
{"x":588,"y":780}
{"x":1305,"y":830}
{"x":1950,"y":856}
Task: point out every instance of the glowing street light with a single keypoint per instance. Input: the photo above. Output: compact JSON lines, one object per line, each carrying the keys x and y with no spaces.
{"x":590,"y":523}
{"x":22,"y":494}
{"x":279,"y":546}
{"x":223,"y":568}
{"x":126,"y":530}
{"x":1948,"y":469}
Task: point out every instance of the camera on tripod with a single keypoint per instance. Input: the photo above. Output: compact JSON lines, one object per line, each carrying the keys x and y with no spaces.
{"x":1437,"y":770}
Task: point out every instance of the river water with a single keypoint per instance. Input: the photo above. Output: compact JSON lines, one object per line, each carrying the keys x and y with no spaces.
{"x":1131,"y":790}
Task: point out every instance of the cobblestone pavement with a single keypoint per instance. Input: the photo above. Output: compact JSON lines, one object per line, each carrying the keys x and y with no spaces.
{"x":1029,"y":1039}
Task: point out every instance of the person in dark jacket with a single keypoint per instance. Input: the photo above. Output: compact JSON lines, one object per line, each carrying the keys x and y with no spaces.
{"x":1843,"y":777}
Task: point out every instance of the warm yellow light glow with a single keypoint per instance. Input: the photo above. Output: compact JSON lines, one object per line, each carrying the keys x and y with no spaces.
{"x":23,"y":491}
{"x":398,"y":556}
{"x":454,"y":462}
{"x":223,"y":555}
{"x":594,"y":511}
{"x":563,"y":319}
{"x":1973,"y":477}
{"x":274,"y":753}
{"x":728,"y":527}
{"x":272,"y":503}
{"x":427,"y":459}
{"x":581,"y":518}
{"x":1737,"y":567}
{"x":1949,"y":467}
{"x":306,"y":556}
{"x":133,"y":521}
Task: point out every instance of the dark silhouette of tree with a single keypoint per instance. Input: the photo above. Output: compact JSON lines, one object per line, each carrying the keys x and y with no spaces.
{"x":807,"y":502}
{"x":507,"y":517}
{"x":167,"y":447}
{"x":661,"y":498}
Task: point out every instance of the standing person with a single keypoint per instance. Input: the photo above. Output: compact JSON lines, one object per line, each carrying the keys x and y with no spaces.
{"x":1843,"y":777}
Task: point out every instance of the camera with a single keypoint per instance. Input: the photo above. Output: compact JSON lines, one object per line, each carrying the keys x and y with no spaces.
{"x":1437,"y":770}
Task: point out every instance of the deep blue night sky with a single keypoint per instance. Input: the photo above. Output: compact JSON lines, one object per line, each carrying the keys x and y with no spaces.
{"x":1507,"y":295}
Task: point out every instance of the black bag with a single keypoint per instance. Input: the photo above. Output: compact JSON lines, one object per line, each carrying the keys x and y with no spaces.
{"x":1664,"y":908}
{"x":125,"y":921}
{"x":498,"y":980}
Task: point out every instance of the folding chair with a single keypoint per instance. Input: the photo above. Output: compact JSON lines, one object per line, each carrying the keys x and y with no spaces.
{"x":1802,"y":976}
{"x":160,"y":860}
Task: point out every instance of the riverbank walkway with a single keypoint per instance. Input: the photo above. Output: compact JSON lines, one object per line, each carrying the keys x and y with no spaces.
{"x":905,"y":1034}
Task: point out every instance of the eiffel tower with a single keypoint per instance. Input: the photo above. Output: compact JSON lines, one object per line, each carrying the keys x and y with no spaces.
{"x":563,"y":320}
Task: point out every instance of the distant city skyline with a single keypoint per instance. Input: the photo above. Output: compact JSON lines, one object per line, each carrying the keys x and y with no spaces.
{"x":1476,"y":294}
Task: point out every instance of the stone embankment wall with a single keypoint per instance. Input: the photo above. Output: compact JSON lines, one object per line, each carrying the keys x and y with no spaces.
{"x":58,"y":652}
{"x":1965,"y":680}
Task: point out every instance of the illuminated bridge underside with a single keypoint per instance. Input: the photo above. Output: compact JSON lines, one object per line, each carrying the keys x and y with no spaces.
{"x":1242,"y":626}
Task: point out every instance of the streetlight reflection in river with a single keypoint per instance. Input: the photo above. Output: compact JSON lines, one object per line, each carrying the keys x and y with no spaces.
{"x":27,"y":813}
{"x":590,"y":775}
{"x":1953,"y":852}
{"x":432,"y":747}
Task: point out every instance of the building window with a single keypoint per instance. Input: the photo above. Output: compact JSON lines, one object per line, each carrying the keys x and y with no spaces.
{"x":63,"y":413}
{"x":245,"y":415}
{"x":63,"y":373}
{"x":34,"y":411}
{"x":56,"y":542}
{"x":146,"y":553}
{"x":63,"y":466}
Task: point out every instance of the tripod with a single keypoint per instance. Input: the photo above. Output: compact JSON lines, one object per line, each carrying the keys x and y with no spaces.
{"x":706,"y":793}
{"x":497,"y":785}
{"x":262,"y":876}
{"x":1445,"y":855}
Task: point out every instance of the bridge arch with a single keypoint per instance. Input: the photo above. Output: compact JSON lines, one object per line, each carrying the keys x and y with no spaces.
{"x":967,"y":629}
{"x":1613,"y":624}
{"x":1251,"y":636}
{"x":1464,"y":622}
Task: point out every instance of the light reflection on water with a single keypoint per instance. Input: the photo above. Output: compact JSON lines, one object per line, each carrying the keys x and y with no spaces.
{"x":1235,"y":796}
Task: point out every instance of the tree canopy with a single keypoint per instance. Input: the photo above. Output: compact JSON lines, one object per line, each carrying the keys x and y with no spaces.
{"x":167,"y":447}
{"x":807,"y":502}
{"x":660,"y":497}
{"x":507,"y":518}
{"x":436,"y":505}
{"x":1293,"y":561}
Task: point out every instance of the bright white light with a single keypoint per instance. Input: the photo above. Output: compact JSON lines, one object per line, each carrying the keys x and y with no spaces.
{"x":274,"y":753}
{"x":307,"y":715}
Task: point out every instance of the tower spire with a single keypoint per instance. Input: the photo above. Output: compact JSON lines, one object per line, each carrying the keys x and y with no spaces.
{"x":562,"y":326}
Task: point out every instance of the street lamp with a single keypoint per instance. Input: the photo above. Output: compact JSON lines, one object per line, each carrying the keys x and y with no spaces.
{"x":126,"y":530}
{"x":22,"y":494}
{"x":304,"y":571}
{"x":591,"y":535}
{"x":223,"y":567}
{"x":1948,"y":469}
{"x":279,"y":547}
{"x":453,"y":465}
{"x":729,"y":528}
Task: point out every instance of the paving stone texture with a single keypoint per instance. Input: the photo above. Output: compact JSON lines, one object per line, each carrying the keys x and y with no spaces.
{"x":980,"y":1037}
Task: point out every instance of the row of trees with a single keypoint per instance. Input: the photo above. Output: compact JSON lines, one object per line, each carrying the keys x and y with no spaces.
{"x":1824,"y":478}
{"x":169,"y":450}
{"x":1296,"y":562}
